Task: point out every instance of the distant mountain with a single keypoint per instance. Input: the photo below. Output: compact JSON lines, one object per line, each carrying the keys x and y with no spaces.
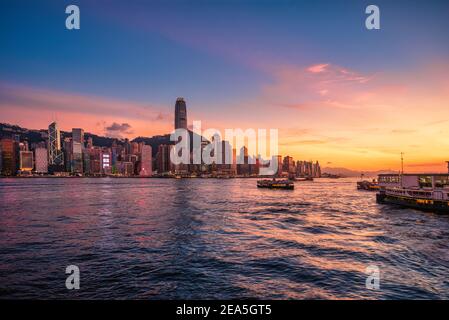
{"x":154,"y":142}
{"x":35,"y":136}
{"x":9,"y":130}
{"x":344,"y":172}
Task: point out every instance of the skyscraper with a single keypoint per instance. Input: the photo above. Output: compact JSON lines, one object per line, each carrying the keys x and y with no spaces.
{"x":163,"y":158}
{"x":77,"y":157}
{"x":106,"y":165}
{"x":288,"y":165}
{"x":227,"y":159}
{"x":26,"y":162}
{"x":90,"y":143}
{"x":55,"y":155}
{"x":78,"y":136}
{"x":67,"y":146}
{"x":145,"y":161}
{"x":77,"y":150}
{"x":41,"y":160}
{"x":180,"y":114}
{"x":9,"y":156}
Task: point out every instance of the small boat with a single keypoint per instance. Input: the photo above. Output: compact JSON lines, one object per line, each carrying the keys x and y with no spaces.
{"x":303,"y":179}
{"x":368,"y":185}
{"x":275,"y":184}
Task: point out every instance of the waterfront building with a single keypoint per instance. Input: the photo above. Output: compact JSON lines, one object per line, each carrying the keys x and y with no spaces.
{"x":308,"y":169}
{"x":163,"y":162}
{"x":90,"y":143}
{"x":9,"y":152}
{"x":77,"y":157}
{"x":134,"y":148}
{"x":77,"y":150}
{"x":127,"y":168}
{"x":127,"y":147}
{"x":106,"y":164}
{"x":41,"y":160}
{"x":302,"y":169}
{"x":278,"y":159}
{"x":134,"y":158}
{"x":78,"y":136}
{"x":145,"y":161}
{"x":26,"y":162}
{"x":317,"y":170}
{"x":115,"y":152}
{"x":227,"y":159}
{"x":141,"y":144}
{"x":92,"y":161}
{"x":68,"y":152}
{"x":180,"y":114}
{"x":55,"y":155}
{"x":288,"y":165}
{"x":254,"y":167}
{"x":243,"y":167}
{"x":299,"y":169}
{"x":86,"y":161}
{"x":95,"y":165}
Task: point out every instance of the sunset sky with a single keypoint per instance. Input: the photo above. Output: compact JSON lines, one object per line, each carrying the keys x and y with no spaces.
{"x":337,"y":92}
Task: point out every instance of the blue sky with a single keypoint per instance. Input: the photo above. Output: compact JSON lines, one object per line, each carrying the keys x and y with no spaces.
{"x":127,"y":48}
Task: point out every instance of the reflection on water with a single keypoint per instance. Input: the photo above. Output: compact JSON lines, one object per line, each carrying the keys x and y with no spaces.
{"x":206,"y":238}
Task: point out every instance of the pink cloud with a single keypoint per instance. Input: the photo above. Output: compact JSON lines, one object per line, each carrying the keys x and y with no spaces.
{"x":317,"y":68}
{"x":36,"y":108}
{"x":320,"y":85}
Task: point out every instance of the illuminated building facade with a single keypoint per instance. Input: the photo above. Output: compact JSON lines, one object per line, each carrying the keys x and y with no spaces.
{"x":145,"y":161}
{"x":9,"y":156}
{"x":26,"y":162}
{"x":41,"y":160}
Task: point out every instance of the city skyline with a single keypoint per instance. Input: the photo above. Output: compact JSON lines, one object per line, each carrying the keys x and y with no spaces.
{"x":71,"y":154}
{"x":337,"y":92}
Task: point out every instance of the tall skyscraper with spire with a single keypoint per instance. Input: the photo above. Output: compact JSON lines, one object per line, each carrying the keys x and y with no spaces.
{"x":55,"y":155}
{"x":180,"y":114}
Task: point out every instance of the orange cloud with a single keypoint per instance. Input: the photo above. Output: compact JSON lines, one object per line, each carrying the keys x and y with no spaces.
{"x":369,"y":118}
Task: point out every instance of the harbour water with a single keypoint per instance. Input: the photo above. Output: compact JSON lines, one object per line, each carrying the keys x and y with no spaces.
{"x":214,"y":239}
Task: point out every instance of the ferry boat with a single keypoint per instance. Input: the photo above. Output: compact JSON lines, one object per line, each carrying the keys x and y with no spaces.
{"x":275,"y":184}
{"x":428,"y":192}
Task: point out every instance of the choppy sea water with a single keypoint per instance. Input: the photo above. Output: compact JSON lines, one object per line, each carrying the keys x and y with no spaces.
{"x":214,"y":239}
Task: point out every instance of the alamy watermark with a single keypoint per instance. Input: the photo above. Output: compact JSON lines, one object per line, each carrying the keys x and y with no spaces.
{"x":73,"y":280}
{"x":372,"y":22}
{"x":212,"y":147}
{"x":73,"y":20}
{"x":373,"y":280}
